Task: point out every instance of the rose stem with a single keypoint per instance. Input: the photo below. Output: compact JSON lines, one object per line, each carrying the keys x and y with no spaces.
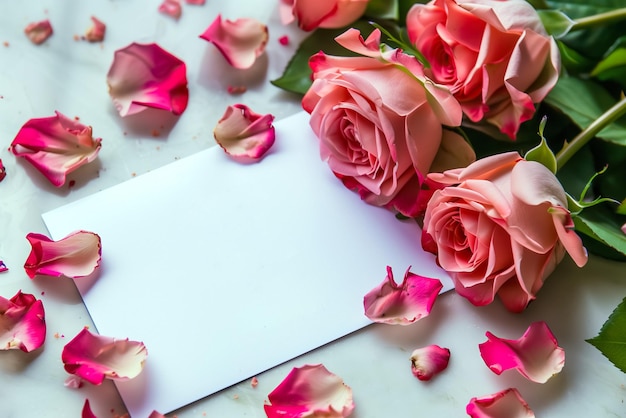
{"x":599,"y":19}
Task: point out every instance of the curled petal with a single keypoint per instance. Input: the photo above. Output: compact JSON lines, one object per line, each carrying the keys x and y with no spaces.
{"x":3,"y":171}
{"x":429,"y":361}
{"x":536,"y":355}
{"x":171,"y":8}
{"x":56,"y":146}
{"x":240,"y":41}
{"x":402,"y":304}
{"x":310,"y":391}
{"x":38,"y":32}
{"x":96,"y":32}
{"x":95,"y":357}
{"x":243,"y":134}
{"x":504,"y":404}
{"x":147,"y":76}
{"x":22,"y":323}
{"x":87,"y":413}
{"x":76,"y":255}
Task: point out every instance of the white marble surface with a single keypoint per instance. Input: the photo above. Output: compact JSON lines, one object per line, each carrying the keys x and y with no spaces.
{"x":69,"y":76}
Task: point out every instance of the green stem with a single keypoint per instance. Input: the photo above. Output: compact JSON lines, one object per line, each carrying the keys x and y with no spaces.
{"x":586,"y":134}
{"x":599,"y":19}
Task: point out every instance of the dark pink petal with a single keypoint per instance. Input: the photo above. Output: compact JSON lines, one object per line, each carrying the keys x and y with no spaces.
{"x":56,"y":146}
{"x":243,"y":134}
{"x":310,"y":391}
{"x":76,"y":255}
{"x":38,"y":32}
{"x":196,"y":2}
{"x":156,"y":414}
{"x":3,"y":171}
{"x":95,"y":357}
{"x":22,"y":323}
{"x":429,"y":361}
{"x":240,"y":41}
{"x":402,"y":304}
{"x":536,"y":355}
{"x":283,"y":40}
{"x":505,"y":404}
{"x":96,"y":32}
{"x":146,"y":76}
{"x":87,"y":413}
{"x":3,"y":267}
{"x":171,"y":8}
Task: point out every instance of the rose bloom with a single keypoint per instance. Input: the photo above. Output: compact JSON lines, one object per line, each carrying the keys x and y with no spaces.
{"x":380,"y":128}
{"x":495,"y":56}
{"x":313,"y":14}
{"x":502,"y":229}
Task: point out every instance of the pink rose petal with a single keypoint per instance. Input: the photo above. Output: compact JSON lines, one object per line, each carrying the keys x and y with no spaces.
{"x":38,"y":32}
{"x":22,"y":323}
{"x":505,"y":404}
{"x":73,"y":382}
{"x":402,"y":304}
{"x":310,"y":391}
{"x":171,"y":8}
{"x":146,"y":76}
{"x":3,"y":267}
{"x":87,"y":413}
{"x":196,"y":2}
{"x":156,"y":414}
{"x":240,"y":41}
{"x":95,"y":357}
{"x":56,"y":146}
{"x":536,"y":355}
{"x":77,"y":255}
{"x":428,"y":361}
{"x":96,"y":32}
{"x":3,"y":171}
{"x":243,"y":134}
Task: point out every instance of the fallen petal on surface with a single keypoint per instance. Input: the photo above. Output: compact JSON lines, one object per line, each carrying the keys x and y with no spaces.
{"x":402,"y":304}
{"x":38,"y":32}
{"x":504,"y":404}
{"x":22,"y":323}
{"x":428,"y":361}
{"x":96,"y":32}
{"x":536,"y":355}
{"x":240,"y":41}
{"x":244,"y":134}
{"x":56,"y":146}
{"x":96,"y":357}
{"x":87,"y":413}
{"x":310,"y":391}
{"x":3,"y":267}
{"x":77,"y":255}
{"x":3,"y":171}
{"x":147,"y":76}
{"x":171,"y":8}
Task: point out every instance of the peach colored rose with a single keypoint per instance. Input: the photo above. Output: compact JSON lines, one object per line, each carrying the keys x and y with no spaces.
{"x":495,"y":56}
{"x":313,"y":14}
{"x":502,"y":229}
{"x":380,"y":128}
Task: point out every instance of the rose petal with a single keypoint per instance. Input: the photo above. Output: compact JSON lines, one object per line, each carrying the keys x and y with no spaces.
{"x":38,"y":32}
{"x":504,"y":404}
{"x":402,"y":304}
{"x":76,"y":255}
{"x":146,"y":76}
{"x":536,"y":355}
{"x":196,"y":2}
{"x":310,"y":391}
{"x":156,"y":414}
{"x":96,"y":32}
{"x":56,"y":146}
{"x":243,"y":134}
{"x":22,"y":323}
{"x":87,"y":413}
{"x":3,"y":171}
{"x":171,"y":8}
{"x":240,"y":41}
{"x":73,"y":382}
{"x":96,"y":357}
{"x":3,"y":267}
{"x":429,"y":361}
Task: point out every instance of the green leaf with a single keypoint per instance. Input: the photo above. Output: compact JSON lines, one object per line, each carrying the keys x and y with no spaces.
{"x":584,"y":101}
{"x":383,"y":9}
{"x":556,"y":22}
{"x":613,"y":66}
{"x":573,"y":60}
{"x":603,"y":225}
{"x":542,"y":152}
{"x":611,"y":341}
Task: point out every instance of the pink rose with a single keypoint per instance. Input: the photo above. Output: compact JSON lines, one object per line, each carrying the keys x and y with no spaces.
{"x":380,"y":129}
{"x":313,"y":14}
{"x":495,"y":56}
{"x":502,"y":229}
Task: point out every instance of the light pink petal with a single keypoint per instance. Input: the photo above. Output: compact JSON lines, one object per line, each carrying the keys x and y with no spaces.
{"x":95,"y":357}
{"x":22,"y":323}
{"x":310,"y":391}
{"x":624,"y":228}
{"x":402,"y":304}
{"x":504,"y":404}
{"x":76,"y":255}
{"x":3,"y":171}
{"x":536,"y":355}
{"x":156,"y":414}
{"x":38,"y":32}
{"x":56,"y":146}
{"x":96,"y":32}
{"x":428,"y":361}
{"x":87,"y":413}
{"x":73,"y":382}
{"x":147,"y":76}
{"x":171,"y":8}
{"x":240,"y":41}
{"x":196,"y":2}
{"x":243,"y":134}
